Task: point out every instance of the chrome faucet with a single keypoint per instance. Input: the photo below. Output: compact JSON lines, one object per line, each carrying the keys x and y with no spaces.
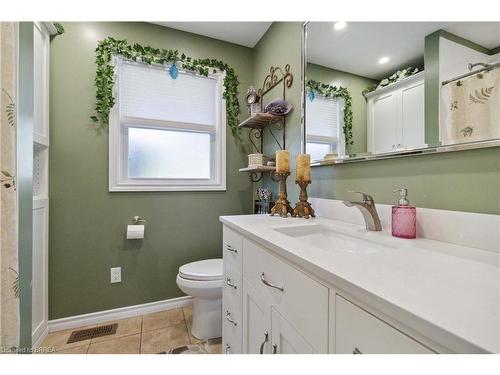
{"x":368,"y":209}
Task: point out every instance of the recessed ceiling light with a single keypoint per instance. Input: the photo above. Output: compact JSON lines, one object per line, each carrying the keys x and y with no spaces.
{"x":339,"y":25}
{"x":383,"y":60}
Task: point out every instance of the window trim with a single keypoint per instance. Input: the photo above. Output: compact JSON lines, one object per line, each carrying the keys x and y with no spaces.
{"x":117,"y":153}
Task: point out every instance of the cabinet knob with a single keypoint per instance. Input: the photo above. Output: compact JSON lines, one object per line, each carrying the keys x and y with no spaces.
{"x":229,"y":283}
{"x":266,"y":338}
{"x":231,"y":249}
{"x":265,"y":282}
{"x":229,"y":319}
{"x":275,"y":349}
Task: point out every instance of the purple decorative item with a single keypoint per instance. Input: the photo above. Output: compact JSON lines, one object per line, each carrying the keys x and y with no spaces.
{"x":279,"y":107}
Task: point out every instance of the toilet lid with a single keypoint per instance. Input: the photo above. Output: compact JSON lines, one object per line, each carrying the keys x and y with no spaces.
{"x":208,"y":269}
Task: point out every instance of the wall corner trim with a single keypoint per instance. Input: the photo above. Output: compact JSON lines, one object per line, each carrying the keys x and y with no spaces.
{"x":100,"y":317}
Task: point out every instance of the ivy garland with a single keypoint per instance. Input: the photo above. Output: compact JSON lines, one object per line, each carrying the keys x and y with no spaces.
{"x":104,"y":75}
{"x":327,"y":90}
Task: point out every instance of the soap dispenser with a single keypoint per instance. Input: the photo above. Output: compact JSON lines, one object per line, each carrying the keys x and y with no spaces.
{"x":404,"y":217}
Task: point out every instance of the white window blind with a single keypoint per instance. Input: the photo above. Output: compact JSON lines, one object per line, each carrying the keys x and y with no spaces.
{"x":166,"y":133}
{"x":323,"y":117}
{"x":324,"y":126}
{"x":150,"y":92}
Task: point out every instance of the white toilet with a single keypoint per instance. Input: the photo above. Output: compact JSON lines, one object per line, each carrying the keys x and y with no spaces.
{"x":203,"y":280}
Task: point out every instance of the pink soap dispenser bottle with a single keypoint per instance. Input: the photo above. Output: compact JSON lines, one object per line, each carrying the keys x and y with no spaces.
{"x":404,"y":217}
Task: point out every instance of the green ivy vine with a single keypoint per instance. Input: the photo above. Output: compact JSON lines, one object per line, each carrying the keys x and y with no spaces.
{"x":59,"y":28}
{"x":327,"y":90}
{"x":104,"y":75}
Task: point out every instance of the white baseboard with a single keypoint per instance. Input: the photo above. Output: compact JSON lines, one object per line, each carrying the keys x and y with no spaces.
{"x":116,"y":314}
{"x":38,"y":342}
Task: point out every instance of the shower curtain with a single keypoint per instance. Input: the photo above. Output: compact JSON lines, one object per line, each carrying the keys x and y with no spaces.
{"x":472,"y":108}
{"x":9,"y":302}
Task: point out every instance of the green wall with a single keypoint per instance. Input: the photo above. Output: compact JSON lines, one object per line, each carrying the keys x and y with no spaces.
{"x":278,"y":47}
{"x":355,"y":84}
{"x":462,"y":180}
{"x":87,"y":223}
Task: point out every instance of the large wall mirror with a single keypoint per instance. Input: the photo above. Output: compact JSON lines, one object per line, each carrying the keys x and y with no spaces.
{"x":385,"y":89}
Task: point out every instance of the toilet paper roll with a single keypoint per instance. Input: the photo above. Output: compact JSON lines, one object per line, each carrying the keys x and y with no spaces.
{"x":135,"y":232}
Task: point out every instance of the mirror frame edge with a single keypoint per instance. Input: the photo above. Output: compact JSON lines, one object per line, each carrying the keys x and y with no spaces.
{"x":367,"y":157}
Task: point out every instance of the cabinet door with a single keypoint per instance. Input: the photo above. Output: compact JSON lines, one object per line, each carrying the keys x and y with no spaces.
{"x":358,"y":332}
{"x":384,"y":123}
{"x":256,"y":321}
{"x":412,"y":111}
{"x":285,"y":338}
{"x":40,"y":298}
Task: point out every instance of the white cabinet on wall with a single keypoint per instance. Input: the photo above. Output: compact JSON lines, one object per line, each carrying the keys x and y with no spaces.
{"x":40,"y":310}
{"x":396,"y":117}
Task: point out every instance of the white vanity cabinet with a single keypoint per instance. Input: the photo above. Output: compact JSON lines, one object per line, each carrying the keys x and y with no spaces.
{"x":232,"y":292}
{"x":277,"y":298}
{"x":272,"y":307}
{"x":274,"y":311}
{"x":396,"y":116}
{"x":358,"y":331}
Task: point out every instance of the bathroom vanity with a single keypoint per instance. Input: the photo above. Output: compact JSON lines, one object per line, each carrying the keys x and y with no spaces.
{"x":329,"y":286}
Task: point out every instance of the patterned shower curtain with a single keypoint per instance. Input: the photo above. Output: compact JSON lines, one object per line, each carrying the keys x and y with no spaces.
{"x":472,"y":108}
{"x":9,"y":302}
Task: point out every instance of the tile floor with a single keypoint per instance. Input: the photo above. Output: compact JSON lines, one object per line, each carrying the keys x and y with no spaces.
{"x":146,"y":334}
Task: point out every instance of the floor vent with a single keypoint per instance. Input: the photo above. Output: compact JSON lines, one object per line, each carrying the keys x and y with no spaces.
{"x":85,"y":334}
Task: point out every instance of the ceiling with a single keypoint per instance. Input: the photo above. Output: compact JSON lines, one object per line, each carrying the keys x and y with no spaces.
{"x":243,"y":33}
{"x":358,"y":47}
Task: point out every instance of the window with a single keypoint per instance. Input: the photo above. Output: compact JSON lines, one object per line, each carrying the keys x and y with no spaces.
{"x":166,"y":134}
{"x":324,"y":124}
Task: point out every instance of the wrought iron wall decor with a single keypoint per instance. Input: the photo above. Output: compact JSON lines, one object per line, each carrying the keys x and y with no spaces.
{"x":257,"y":123}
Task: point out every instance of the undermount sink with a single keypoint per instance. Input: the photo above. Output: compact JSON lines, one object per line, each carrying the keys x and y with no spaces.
{"x":336,"y":239}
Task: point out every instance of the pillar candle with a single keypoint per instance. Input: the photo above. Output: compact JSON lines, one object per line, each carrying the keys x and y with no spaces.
{"x":282,"y":161}
{"x":303,"y":167}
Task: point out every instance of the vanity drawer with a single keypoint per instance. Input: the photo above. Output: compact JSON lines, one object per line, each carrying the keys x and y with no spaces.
{"x":358,"y":332}
{"x":302,"y":301}
{"x":232,"y":284}
{"x":231,"y":325}
{"x":232,"y":248}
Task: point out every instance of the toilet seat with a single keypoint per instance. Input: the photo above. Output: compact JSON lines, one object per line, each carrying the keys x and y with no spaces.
{"x":203,"y":270}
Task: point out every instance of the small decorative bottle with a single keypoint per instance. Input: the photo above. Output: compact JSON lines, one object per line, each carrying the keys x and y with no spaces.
{"x":404,"y":217}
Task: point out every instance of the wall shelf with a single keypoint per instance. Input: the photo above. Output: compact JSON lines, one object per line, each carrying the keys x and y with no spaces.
{"x":256,"y":172}
{"x":260,"y":121}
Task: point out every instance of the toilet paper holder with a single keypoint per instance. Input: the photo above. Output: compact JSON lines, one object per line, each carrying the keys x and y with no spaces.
{"x":138,"y":220}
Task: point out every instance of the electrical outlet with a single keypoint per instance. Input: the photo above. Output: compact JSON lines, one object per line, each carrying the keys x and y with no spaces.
{"x":116,"y":275}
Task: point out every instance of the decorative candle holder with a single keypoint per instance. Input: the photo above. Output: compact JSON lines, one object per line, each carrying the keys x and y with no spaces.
{"x":303,"y":207}
{"x":282,"y":206}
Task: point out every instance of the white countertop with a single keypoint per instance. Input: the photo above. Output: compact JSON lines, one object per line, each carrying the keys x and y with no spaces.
{"x":448,"y":293}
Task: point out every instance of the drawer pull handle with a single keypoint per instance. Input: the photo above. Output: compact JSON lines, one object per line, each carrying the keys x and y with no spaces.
{"x":229,"y":283}
{"x":228,"y":318}
{"x":266,"y":338}
{"x":356,"y":351}
{"x":275,"y":348}
{"x":227,"y":349}
{"x":231,"y":249}
{"x":263,"y":279}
